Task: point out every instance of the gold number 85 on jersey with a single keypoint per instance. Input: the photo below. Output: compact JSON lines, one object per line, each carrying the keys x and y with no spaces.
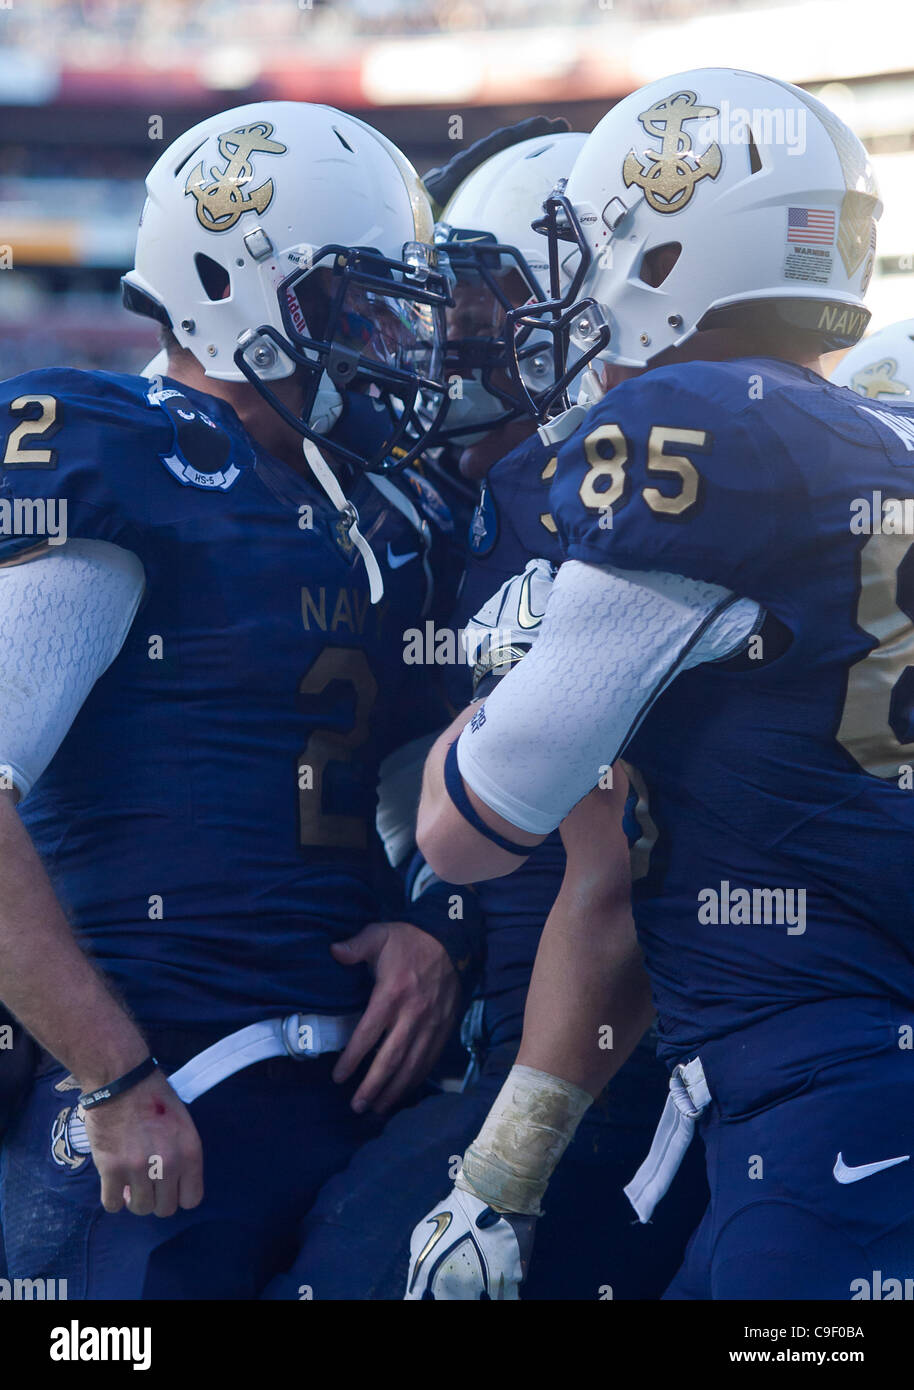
{"x":607,"y":451}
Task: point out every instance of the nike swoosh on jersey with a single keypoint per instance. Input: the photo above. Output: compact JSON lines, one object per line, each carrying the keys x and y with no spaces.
{"x":525,"y":615}
{"x":395,"y":561}
{"x":442,"y":1221}
{"x":842,"y":1173}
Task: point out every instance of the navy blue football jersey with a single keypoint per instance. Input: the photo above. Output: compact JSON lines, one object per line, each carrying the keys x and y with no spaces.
{"x":512,"y":522}
{"x":775,"y":788}
{"x":208,"y":822}
{"x":510,"y":526}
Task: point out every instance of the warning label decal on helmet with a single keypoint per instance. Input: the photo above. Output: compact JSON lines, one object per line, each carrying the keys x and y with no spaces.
{"x":858,"y":208}
{"x":810,"y":243}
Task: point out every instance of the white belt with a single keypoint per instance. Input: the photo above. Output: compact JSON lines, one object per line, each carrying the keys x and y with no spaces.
{"x":297,"y":1035}
{"x":689,"y":1095}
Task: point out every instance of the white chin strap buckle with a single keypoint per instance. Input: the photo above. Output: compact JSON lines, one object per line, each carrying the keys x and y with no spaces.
{"x":331,"y":487}
{"x":557,"y":430}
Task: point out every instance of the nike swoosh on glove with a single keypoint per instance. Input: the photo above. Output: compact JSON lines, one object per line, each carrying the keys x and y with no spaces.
{"x":506,"y":626}
{"x":465,"y":1250}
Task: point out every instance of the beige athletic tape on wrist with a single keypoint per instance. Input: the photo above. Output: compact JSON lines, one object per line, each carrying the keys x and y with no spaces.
{"x":529,"y":1127}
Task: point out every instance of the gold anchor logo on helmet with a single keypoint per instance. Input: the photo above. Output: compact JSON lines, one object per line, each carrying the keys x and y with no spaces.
{"x":878,"y":379}
{"x":673,"y":171}
{"x":221,"y":202}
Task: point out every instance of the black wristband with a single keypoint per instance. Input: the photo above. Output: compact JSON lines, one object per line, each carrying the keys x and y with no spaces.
{"x":90,"y":1099}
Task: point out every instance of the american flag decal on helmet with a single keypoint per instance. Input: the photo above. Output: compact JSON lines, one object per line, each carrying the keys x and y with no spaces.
{"x":811,"y":226}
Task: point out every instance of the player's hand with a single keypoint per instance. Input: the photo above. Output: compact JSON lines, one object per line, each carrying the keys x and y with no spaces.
{"x":413,"y":1007}
{"x":464,"y":1249}
{"x":507,"y":624}
{"x":147,"y":1150}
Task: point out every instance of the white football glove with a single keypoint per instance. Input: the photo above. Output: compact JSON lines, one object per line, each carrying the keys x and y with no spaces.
{"x":464,"y":1249}
{"x":507,"y":624}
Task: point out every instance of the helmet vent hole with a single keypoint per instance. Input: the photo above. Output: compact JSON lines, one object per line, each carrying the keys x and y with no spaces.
{"x":343,"y":141}
{"x":188,"y":157}
{"x":755,"y":159}
{"x":213,"y":277}
{"x":658,"y":262}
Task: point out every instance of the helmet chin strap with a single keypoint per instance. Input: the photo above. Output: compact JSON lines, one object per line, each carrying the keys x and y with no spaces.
{"x":591,"y":390}
{"x":328,"y":481}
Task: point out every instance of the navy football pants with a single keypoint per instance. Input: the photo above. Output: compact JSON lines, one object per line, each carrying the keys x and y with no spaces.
{"x":780,"y":1225}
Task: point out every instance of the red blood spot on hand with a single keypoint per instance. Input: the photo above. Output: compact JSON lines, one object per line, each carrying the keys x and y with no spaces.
{"x":160,"y":1108}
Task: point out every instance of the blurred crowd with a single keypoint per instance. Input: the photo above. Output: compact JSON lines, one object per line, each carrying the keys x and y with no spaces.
{"x":50,"y":26}
{"x":27,"y":159}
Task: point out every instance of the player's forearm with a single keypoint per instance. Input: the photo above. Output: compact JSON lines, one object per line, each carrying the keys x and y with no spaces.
{"x":45,"y":978}
{"x":589,"y":1001}
{"x":588,"y":974}
{"x":561,"y":1066}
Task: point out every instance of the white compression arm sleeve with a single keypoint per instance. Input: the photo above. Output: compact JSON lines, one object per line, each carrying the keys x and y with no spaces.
{"x":63,"y":620}
{"x":611,"y":641}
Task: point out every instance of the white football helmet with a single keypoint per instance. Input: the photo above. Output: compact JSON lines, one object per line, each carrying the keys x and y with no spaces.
{"x":287,"y":237}
{"x":499,"y":262}
{"x":711,"y":198}
{"x":881,"y":367}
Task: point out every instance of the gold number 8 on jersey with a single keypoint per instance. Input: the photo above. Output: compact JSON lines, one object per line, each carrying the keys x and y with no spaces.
{"x":866,"y":728}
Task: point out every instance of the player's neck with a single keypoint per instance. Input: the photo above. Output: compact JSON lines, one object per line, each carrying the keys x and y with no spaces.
{"x":710,"y":347}
{"x":720,"y":346}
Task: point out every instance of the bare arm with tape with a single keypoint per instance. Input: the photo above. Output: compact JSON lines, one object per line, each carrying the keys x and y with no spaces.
{"x":588,"y":974}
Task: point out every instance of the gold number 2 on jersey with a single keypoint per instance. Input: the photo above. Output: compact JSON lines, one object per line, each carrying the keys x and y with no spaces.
{"x":41,"y":421}
{"x":317,"y":826}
